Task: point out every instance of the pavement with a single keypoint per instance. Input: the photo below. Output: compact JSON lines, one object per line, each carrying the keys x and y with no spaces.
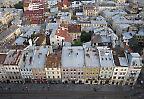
{"x":69,"y":91}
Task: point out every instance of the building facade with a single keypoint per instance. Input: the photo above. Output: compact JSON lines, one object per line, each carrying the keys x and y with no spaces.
{"x":53,"y":68}
{"x":72,"y":64}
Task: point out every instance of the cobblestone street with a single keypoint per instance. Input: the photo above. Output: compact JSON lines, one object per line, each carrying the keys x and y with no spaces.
{"x":69,"y":91}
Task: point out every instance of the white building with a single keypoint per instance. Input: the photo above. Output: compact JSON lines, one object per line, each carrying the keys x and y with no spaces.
{"x":135,"y":66}
{"x":91,"y":22}
{"x":72,"y":64}
{"x":33,"y":61}
{"x":120,"y":71}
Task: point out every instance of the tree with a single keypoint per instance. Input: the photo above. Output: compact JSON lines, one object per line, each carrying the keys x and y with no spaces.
{"x":19,"y":5}
{"x":86,"y":36}
{"x":77,"y":43}
{"x":133,"y":43}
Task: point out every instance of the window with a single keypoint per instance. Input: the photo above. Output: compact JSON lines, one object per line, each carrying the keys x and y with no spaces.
{"x":115,"y":73}
{"x":58,"y":77}
{"x":122,"y":77}
{"x":114,"y":77}
{"x":116,"y":69}
{"x":119,"y":77}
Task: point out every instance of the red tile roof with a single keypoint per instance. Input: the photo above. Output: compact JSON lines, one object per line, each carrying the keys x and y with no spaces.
{"x":72,"y":28}
{"x":66,"y":2}
{"x":63,"y":32}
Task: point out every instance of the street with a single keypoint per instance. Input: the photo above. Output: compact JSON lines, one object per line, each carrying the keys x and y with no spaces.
{"x":69,"y":91}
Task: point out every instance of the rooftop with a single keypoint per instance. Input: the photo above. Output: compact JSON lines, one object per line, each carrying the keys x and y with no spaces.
{"x":72,"y":56}
{"x":128,"y":35}
{"x":63,"y":32}
{"x":91,"y":57}
{"x":2,"y":57}
{"x":123,"y":61}
{"x":112,"y":12}
{"x":141,"y":32}
{"x":134,"y":59}
{"x":40,"y":39}
{"x":51,"y":28}
{"x":8,"y":32}
{"x":13,"y":57}
{"x":73,"y":28}
{"x":106,"y":56}
{"x":53,"y":60}
{"x":28,"y":31}
{"x":35,"y":56}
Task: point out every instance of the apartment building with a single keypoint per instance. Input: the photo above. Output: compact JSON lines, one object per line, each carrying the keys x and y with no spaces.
{"x":72,"y":61}
{"x":75,"y":31}
{"x":32,"y":63}
{"x":90,"y":9}
{"x":104,"y":36}
{"x":92,"y":66}
{"x":120,"y":70}
{"x":91,"y":22}
{"x":106,"y":64}
{"x":34,"y":11}
{"x":135,"y":66}
{"x":53,"y":67}
{"x":11,"y":66}
{"x":3,"y":73}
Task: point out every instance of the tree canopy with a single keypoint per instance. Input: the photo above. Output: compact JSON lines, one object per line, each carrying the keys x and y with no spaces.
{"x":86,"y":36}
{"x":19,"y":5}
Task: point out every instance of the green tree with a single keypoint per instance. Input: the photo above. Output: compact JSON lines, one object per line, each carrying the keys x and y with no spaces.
{"x":86,"y":36}
{"x":77,"y":43}
{"x":133,"y":43}
{"x":19,"y":5}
